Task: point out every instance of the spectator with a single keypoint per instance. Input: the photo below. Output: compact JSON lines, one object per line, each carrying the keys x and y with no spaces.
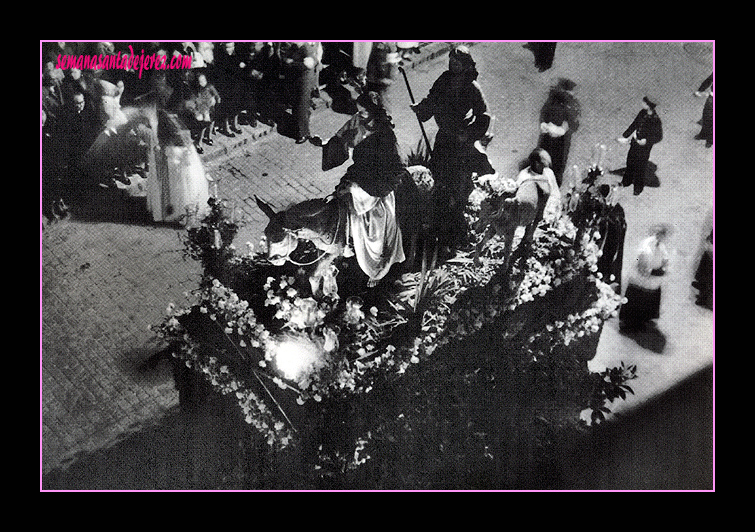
{"x":382,"y":67}
{"x":706,"y":131}
{"x":643,"y":133}
{"x":360,"y":58}
{"x":135,"y":87}
{"x":270,"y":86}
{"x":197,"y":59}
{"x":105,"y":48}
{"x":559,"y":119}
{"x":81,"y":127}
{"x":207,"y":99}
{"x":337,"y":69}
{"x":251,"y":84}
{"x":227,"y":78}
{"x":53,"y":169}
{"x":74,"y":81}
{"x":51,"y":51}
{"x":53,"y":93}
{"x":300,"y":75}
{"x":161,"y":91}
{"x":207,"y":51}
{"x":643,"y":293}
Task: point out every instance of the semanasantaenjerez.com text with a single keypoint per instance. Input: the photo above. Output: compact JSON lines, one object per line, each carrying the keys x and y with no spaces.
{"x":132,"y":61}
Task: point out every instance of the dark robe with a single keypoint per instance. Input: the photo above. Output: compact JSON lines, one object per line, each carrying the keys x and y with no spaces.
{"x":612,"y":228}
{"x":706,"y":131}
{"x":647,"y":126}
{"x":704,"y":275}
{"x":458,"y":105}
{"x":227,"y":76}
{"x":376,"y":162}
{"x":461,"y":112}
{"x":561,"y":109}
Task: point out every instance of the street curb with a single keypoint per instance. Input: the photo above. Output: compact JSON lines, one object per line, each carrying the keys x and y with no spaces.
{"x":232,"y":145}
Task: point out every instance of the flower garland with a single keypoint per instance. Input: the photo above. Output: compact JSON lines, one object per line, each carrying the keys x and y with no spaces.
{"x":321,"y":348}
{"x":256,"y":412}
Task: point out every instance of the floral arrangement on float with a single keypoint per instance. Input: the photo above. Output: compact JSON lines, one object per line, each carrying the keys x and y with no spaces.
{"x":255,"y":332}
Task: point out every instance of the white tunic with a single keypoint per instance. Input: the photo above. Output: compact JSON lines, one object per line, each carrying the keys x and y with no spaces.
{"x":376,"y":235}
{"x":651,"y":255}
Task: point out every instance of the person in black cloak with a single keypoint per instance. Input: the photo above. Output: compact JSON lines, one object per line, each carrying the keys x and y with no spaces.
{"x":457,"y":103}
{"x":706,"y":122}
{"x":544,"y":53}
{"x":559,"y":119}
{"x":645,"y":131}
{"x":612,"y":227}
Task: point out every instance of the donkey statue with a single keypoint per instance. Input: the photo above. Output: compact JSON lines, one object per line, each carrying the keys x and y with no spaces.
{"x":324,"y":223}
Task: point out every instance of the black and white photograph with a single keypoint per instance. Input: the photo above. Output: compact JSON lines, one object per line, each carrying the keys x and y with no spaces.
{"x":377,"y":266}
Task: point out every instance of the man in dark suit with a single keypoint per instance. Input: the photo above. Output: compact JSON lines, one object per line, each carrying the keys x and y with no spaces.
{"x":228,"y":78}
{"x":81,"y":130}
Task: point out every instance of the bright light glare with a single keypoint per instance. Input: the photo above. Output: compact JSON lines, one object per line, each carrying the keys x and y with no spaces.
{"x":294,"y":356}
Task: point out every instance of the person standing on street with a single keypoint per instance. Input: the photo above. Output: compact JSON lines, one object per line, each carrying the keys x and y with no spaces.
{"x":228,"y":80}
{"x":645,"y":131}
{"x":301,"y":63}
{"x":544,"y":53}
{"x":643,"y":293}
{"x":559,"y":119}
{"x":706,"y":131}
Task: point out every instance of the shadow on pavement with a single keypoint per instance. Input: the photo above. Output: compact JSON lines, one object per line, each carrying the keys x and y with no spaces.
{"x":648,"y":337}
{"x":665,"y":444}
{"x":179,"y":452}
{"x":652,"y":180}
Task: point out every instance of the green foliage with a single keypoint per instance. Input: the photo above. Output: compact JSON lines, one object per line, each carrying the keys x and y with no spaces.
{"x":210,"y":241}
{"x":420,"y":156}
{"x":608,"y":386}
